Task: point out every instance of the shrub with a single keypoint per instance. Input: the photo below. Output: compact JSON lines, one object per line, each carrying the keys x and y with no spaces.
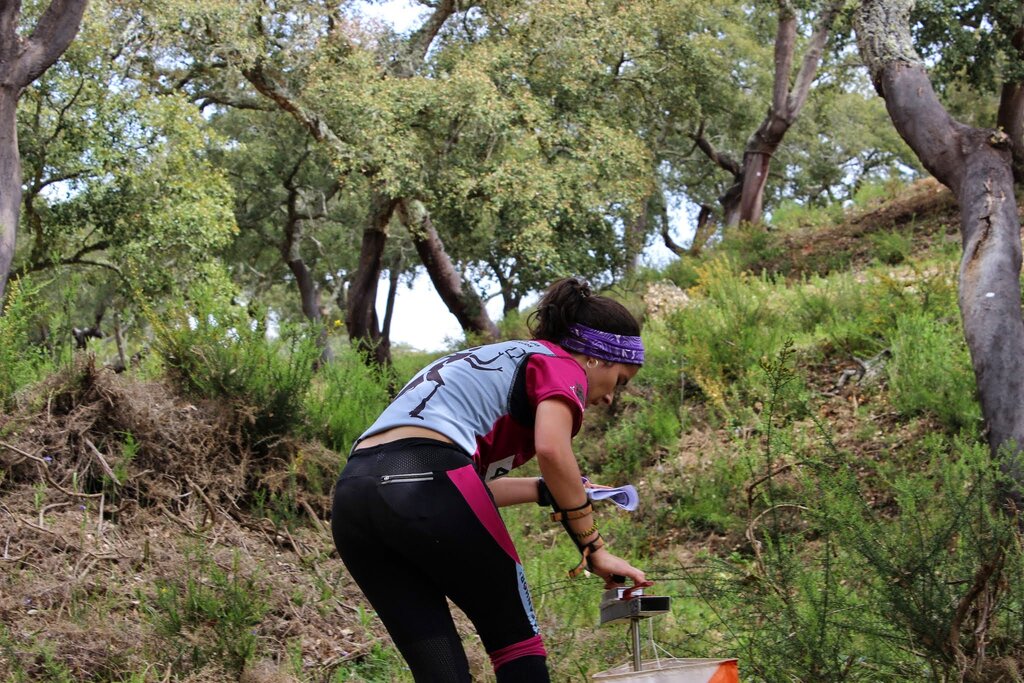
{"x":931,"y":372}
{"x":220,"y":608}
{"x":345,"y":397}
{"x":21,"y":362}
{"x":216,"y":350}
{"x":891,"y":248}
{"x":851,"y":578}
{"x":728,"y":327}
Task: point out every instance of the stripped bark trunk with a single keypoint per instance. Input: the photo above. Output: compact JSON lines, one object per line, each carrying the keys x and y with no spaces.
{"x":23,"y":60}
{"x":10,"y":182}
{"x":976,"y":165}
{"x":785,"y":108}
{"x":460,"y":298}
{"x":361,"y":311}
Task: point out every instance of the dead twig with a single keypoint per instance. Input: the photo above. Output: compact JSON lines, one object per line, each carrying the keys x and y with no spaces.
{"x":45,"y":508}
{"x":103,"y":462}
{"x":316,"y":520}
{"x":214,"y":513}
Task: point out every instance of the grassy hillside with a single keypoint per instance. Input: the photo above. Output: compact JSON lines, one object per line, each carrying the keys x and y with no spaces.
{"x":816,"y":492}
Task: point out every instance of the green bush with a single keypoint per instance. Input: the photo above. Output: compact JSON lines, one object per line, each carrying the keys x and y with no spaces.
{"x":930,"y":372}
{"x":729,"y":326}
{"x":221,"y":608}
{"x":345,"y":397}
{"x":910,"y":576}
{"x":947,"y":571}
{"x":891,"y":248}
{"x":21,"y":362}
{"x":216,"y":350}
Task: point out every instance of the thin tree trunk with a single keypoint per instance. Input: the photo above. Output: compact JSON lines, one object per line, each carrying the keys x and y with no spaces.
{"x":786,"y":105}
{"x":460,"y":298}
{"x":976,"y":165}
{"x":705,"y":229}
{"x":389,"y":308}
{"x":636,"y":235}
{"x":1010,"y":118}
{"x":310,"y":295}
{"x":361,"y":312}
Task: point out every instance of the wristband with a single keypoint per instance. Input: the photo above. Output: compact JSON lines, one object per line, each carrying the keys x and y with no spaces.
{"x":587,"y":550}
{"x":575,"y":513}
{"x":544,"y":498}
{"x":586,"y":532}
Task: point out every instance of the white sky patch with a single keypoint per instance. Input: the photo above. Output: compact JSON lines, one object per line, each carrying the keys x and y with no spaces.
{"x":403,"y":15}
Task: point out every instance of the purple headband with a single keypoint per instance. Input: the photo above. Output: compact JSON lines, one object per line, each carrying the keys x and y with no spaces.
{"x":617,"y":348}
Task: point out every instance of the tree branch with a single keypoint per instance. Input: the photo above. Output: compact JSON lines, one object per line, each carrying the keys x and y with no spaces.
{"x":812,"y":58}
{"x":724,"y":161}
{"x":51,"y":37}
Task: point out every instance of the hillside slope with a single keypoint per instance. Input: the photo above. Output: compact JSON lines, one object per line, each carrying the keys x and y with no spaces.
{"x":144,"y":539}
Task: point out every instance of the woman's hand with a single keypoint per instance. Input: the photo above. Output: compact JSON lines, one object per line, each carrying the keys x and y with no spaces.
{"x":605,"y":565}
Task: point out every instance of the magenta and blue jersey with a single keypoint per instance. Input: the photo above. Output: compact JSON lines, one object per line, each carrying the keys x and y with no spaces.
{"x":484,"y":399}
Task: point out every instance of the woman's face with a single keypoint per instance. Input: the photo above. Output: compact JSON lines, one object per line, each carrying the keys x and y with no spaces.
{"x":604,"y":377}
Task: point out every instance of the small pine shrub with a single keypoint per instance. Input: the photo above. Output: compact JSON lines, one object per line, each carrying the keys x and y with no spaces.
{"x":729,"y":326}
{"x":215,"y":350}
{"x":891,"y":248}
{"x":346,"y":396}
{"x":914,"y":575}
{"x":683,"y":272}
{"x":21,"y":362}
{"x":931,"y":373}
{"x":220,"y":608}
{"x":790,"y":215}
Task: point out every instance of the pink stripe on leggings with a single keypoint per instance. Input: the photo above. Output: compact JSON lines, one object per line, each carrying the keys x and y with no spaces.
{"x":526,"y":648}
{"x":472,"y":488}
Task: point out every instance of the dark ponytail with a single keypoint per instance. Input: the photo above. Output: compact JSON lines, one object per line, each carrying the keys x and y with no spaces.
{"x":570,"y":301}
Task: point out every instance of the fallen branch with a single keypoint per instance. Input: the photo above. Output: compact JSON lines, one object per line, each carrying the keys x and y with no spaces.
{"x":103,"y":463}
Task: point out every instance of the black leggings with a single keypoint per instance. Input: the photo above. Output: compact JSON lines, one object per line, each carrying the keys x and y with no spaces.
{"x":415,"y":525}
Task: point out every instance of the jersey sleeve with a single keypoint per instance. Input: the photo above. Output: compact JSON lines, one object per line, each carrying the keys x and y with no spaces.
{"x":557,"y":377}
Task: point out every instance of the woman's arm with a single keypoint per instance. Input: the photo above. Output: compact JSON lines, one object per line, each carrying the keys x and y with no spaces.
{"x":561,"y":472}
{"x":513,"y":490}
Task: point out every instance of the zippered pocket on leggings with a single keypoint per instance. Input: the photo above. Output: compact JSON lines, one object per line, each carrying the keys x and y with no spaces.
{"x":406,"y":478}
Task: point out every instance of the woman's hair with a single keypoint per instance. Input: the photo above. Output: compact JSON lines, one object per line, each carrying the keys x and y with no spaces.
{"x":569,"y":301}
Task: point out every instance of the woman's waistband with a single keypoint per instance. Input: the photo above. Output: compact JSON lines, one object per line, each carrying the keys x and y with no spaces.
{"x":404,"y":456}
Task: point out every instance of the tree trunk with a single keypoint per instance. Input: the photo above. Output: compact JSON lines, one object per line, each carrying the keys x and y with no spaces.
{"x":1010,"y":118}
{"x":785,"y":108}
{"x":636,"y":235}
{"x":976,"y":165}
{"x":361,"y":312}
{"x":23,"y":60}
{"x":10,"y":182}
{"x":705,"y":229}
{"x":459,"y":297}
{"x":511,"y":296}
{"x":291,"y":252}
{"x":389,"y":306}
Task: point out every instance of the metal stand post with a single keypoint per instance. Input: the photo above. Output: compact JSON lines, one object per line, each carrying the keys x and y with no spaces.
{"x":622,"y":604}
{"x":634,"y":629}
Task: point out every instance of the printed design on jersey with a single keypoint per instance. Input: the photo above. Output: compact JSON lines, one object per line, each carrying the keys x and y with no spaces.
{"x":578,"y":390}
{"x":433,"y":373}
